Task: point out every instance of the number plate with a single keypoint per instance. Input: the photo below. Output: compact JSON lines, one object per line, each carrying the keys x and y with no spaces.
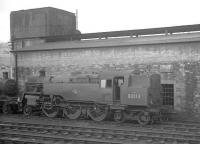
{"x":134,"y":95}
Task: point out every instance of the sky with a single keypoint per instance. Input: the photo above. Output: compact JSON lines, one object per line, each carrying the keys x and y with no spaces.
{"x":111,"y":15}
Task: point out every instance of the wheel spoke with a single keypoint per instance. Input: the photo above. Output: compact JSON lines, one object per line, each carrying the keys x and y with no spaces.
{"x":98,"y":112}
{"x":51,"y":113}
{"x":27,"y":110}
{"x":73,"y":112}
{"x":144,"y":118}
{"x":49,"y":109}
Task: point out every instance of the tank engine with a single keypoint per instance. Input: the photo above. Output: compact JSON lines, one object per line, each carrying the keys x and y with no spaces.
{"x":8,"y":95}
{"x":120,"y":95}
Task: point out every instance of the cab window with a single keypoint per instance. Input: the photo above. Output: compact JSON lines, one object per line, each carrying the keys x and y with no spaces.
{"x":106,"y":83}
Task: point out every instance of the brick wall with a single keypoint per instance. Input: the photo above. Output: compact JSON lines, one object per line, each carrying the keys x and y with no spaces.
{"x":118,"y":57}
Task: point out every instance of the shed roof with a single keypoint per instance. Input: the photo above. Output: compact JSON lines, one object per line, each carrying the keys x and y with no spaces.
{"x":114,"y":42}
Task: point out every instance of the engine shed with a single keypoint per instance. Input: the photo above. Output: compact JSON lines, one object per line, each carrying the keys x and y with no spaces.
{"x":172,"y":52}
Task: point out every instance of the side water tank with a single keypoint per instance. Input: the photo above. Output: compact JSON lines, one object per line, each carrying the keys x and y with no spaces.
{"x":8,"y":87}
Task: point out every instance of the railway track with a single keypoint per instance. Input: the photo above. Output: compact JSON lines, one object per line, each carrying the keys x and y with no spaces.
{"x":70,"y":133}
{"x":16,"y":137}
{"x":192,"y":127}
{"x":183,"y":129}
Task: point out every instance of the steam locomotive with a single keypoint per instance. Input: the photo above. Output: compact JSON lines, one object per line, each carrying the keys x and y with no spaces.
{"x":115,"y":95}
{"x":8,"y":96}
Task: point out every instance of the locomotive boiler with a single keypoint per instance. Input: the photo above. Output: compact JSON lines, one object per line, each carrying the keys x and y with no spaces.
{"x":116,"y":95}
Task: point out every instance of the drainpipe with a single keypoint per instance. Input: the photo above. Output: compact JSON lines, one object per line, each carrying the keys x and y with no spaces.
{"x":16,"y":68}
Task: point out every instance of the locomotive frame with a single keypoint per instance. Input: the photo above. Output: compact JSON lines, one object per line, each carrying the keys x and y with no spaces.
{"x":109,"y":95}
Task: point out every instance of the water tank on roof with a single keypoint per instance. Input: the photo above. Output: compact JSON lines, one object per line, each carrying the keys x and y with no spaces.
{"x":42,"y":22}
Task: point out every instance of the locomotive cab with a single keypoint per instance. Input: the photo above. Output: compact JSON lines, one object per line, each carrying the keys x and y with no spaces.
{"x":114,"y":81}
{"x":135,"y":96}
{"x":141,"y":90}
{"x":133,"y":89}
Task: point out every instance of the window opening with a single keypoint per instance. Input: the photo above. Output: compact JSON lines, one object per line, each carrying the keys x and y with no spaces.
{"x":168,"y":94}
{"x":5,"y":75}
{"x":106,"y":83}
{"x":42,"y":73}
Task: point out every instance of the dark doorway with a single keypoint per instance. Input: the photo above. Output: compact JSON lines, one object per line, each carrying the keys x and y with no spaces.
{"x":117,"y":83}
{"x":168,"y":94}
